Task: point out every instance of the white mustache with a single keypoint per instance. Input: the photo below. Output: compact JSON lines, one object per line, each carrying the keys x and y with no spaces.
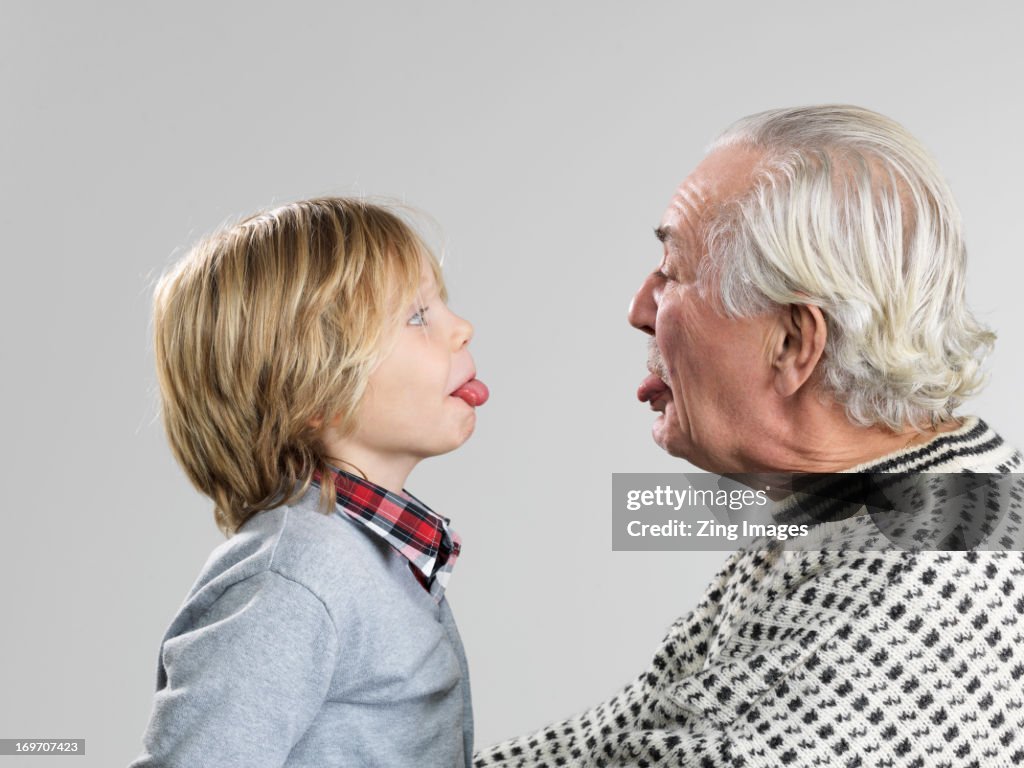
{"x":654,"y":362}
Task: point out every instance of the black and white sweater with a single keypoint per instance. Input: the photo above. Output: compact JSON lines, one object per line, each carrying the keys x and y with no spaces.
{"x":826,"y":658}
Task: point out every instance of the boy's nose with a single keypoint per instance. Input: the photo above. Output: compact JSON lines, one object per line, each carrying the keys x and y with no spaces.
{"x":463,"y":331}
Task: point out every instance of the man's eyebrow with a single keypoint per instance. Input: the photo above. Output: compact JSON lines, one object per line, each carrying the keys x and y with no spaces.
{"x":662,"y":233}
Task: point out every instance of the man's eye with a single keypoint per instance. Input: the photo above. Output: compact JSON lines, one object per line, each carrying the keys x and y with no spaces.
{"x":662,"y":276}
{"x":419,"y":317}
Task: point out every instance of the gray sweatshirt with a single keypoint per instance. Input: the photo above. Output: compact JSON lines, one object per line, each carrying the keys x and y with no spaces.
{"x":307,"y":641}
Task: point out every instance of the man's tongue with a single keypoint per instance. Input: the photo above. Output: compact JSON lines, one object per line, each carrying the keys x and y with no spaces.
{"x":474,"y":392}
{"x":650,"y":388}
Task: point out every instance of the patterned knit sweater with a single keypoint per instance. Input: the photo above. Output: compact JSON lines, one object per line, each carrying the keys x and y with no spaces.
{"x":828,"y":658}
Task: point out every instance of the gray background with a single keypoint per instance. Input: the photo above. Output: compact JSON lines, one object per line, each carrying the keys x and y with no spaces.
{"x":546,"y":139}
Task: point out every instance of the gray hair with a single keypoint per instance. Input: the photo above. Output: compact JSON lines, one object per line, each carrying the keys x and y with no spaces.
{"x":849,"y":212}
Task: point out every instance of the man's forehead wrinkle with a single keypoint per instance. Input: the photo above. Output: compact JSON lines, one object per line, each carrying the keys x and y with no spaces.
{"x":687,"y":209}
{"x":690,"y":198}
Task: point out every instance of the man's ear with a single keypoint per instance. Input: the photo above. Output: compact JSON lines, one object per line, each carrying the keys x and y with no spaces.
{"x":800,"y":346}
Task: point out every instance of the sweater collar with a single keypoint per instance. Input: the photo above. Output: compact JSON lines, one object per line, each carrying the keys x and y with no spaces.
{"x":973,"y":437}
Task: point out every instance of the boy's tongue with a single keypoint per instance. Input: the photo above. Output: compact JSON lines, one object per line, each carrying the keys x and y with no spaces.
{"x":474,"y":392}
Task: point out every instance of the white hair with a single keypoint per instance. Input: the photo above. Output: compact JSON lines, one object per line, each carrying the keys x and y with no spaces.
{"x":849,"y":212}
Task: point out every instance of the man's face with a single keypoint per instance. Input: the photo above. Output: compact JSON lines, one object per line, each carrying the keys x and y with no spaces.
{"x":709,"y":373}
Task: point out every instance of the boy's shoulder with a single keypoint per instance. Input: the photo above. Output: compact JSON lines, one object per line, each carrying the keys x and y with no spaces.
{"x":328,"y":554}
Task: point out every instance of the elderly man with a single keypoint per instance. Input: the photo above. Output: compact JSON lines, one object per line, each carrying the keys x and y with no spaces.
{"x":808,"y":315}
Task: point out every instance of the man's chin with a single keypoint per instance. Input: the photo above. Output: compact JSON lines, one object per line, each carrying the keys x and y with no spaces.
{"x":679,"y":446}
{"x":667,"y":436}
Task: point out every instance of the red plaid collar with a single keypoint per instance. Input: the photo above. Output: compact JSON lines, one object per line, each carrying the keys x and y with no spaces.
{"x":422,"y":536}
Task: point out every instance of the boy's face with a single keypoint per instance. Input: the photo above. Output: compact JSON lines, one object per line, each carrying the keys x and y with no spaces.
{"x":409,"y":411}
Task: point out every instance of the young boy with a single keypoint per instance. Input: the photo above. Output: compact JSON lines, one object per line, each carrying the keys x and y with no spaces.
{"x":307,"y":362}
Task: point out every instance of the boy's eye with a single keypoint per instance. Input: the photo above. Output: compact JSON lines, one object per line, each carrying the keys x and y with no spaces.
{"x":419,"y":317}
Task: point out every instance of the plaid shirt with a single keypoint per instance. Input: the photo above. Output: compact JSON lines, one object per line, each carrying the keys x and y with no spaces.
{"x":419,"y":534}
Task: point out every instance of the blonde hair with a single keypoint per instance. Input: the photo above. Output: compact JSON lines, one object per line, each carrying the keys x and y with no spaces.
{"x":849,"y":212}
{"x":270,"y":325}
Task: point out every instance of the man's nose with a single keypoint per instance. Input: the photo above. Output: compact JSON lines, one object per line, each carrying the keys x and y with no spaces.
{"x":642,"y":309}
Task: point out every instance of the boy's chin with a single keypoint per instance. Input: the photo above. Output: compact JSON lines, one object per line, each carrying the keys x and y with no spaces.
{"x":467,"y":431}
{"x":454,"y":439}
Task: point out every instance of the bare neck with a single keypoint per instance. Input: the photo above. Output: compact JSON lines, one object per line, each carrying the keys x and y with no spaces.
{"x":821,"y":438}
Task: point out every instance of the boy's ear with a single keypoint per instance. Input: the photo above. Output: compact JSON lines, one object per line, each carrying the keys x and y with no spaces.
{"x":800,"y":345}
{"x":318,"y":422}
